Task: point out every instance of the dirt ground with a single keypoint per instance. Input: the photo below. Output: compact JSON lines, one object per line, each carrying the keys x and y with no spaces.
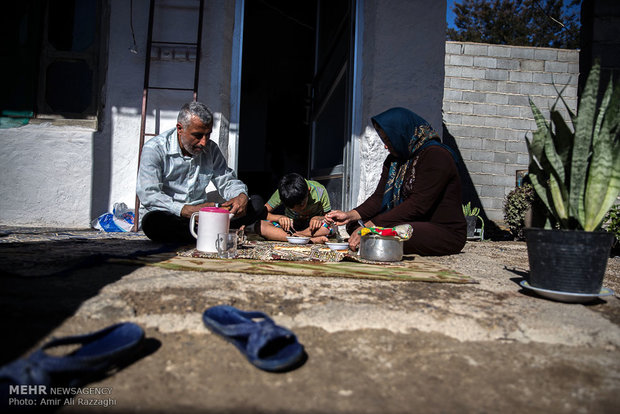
{"x":372,"y":346}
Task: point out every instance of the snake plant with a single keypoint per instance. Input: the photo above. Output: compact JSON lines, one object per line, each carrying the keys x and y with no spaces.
{"x":576,"y":172}
{"x":468,"y":210}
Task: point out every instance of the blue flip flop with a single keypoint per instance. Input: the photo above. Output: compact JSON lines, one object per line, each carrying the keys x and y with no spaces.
{"x":101,"y":351}
{"x":266,"y":345}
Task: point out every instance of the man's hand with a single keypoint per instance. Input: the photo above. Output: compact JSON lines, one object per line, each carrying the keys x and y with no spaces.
{"x":237,"y":205}
{"x":188,"y":210}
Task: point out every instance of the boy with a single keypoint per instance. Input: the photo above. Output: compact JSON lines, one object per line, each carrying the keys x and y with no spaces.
{"x":305,"y":204}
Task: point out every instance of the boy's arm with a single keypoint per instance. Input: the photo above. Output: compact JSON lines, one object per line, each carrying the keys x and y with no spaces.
{"x":285,"y":222}
{"x":271,"y":204}
{"x":320,"y":230}
{"x":316,"y":223}
{"x":270,"y":215}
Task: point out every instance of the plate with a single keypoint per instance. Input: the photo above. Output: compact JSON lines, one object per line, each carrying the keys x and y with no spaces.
{"x":338,"y":246}
{"x":298,"y":240}
{"x":567,"y":296}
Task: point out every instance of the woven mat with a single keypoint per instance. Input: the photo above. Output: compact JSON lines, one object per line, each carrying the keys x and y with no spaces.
{"x":268,"y":258}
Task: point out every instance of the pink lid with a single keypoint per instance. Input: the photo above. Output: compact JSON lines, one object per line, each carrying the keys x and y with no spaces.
{"x":215,"y":210}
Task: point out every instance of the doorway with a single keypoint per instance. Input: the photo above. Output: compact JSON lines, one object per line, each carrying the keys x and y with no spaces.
{"x":295,"y":93}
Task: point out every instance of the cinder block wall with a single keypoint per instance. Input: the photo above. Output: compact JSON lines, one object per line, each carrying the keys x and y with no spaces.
{"x":486,"y":112}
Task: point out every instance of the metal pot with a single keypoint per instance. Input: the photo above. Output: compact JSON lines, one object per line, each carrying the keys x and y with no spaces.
{"x":381,"y":248}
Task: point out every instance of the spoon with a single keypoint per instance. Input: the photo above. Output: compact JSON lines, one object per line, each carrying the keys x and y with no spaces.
{"x":339,"y":237}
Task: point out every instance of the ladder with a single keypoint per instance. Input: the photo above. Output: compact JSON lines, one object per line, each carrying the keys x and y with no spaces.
{"x":150,"y":43}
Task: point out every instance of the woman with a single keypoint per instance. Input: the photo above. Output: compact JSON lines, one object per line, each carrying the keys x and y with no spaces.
{"x":419,"y":185}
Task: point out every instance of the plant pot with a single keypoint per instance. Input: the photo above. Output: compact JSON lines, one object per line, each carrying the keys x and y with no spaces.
{"x":567,"y":260}
{"x":471,"y":225}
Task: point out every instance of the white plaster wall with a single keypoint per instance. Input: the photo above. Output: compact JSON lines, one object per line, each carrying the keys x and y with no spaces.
{"x":46,"y":176}
{"x":403,"y":65}
{"x":126,"y":74}
{"x":66,"y":176}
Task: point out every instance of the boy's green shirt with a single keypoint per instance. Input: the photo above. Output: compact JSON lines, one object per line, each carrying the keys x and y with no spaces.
{"x":318,"y":203}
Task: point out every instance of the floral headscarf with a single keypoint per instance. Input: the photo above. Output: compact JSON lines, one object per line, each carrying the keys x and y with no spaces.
{"x":407,"y":133}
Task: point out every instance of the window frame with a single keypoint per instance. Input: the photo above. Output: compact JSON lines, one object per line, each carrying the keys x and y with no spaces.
{"x":46,"y":54}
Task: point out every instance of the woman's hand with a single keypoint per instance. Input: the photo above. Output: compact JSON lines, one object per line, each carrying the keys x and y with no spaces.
{"x":339,"y":218}
{"x":355,"y":239}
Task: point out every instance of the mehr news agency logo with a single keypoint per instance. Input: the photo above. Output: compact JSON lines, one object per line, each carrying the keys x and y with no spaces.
{"x":42,"y":395}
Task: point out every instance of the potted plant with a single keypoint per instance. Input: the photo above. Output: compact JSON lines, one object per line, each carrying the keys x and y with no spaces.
{"x":612,"y":225}
{"x":472,"y":215}
{"x":516,"y":205}
{"x":576,"y":174}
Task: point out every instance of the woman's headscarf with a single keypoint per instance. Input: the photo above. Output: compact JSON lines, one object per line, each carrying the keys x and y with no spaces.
{"x":407,"y":133}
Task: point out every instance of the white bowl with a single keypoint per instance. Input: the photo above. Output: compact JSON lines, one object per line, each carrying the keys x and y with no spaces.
{"x":338,"y":246}
{"x":298,"y":240}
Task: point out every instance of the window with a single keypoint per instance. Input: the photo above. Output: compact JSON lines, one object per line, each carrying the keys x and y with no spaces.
{"x":50,"y":59}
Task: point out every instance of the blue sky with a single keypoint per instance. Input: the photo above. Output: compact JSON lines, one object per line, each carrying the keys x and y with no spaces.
{"x":449,"y":14}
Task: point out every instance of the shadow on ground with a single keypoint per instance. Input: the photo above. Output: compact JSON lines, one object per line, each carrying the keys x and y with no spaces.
{"x":41,"y":286}
{"x":469,"y":193}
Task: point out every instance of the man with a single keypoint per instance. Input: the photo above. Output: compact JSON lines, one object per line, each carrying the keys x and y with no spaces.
{"x":175,"y":169}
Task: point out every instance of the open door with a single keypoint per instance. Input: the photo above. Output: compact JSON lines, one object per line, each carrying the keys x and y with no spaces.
{"x":295,"y":94}
{"x":331,"y":92}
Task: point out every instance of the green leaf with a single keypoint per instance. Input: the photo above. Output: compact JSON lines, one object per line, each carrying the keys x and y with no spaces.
{"x":467,"y":209}
{"x":601,"y":165}
{"x":541,"y":122}
{"x":584,"y":128}
{"x":552,"y":163}
{"x":606,"y":152}
{"x":602,"y":110}
{"x":571,"y":114}
{"x":548,"y":168}
{"x":611,"y":195}
{"x":558,"y":195}
{"x":537,"y":176}
{"x":563,"y":141}
{"x":555,"y":162}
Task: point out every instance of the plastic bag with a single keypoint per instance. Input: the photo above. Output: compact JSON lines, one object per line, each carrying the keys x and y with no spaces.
{"x":404,"y":231}
{"x":119,"y":220}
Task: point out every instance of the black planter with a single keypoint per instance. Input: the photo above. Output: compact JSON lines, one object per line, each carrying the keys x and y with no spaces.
{"x":471,"y":225}
{"x":567,"y":260}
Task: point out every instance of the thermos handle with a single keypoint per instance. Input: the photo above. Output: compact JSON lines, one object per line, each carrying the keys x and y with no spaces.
{"x":192,"y":222}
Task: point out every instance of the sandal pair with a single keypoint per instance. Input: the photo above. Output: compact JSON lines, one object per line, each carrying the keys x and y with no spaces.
{"x":265,"y":345}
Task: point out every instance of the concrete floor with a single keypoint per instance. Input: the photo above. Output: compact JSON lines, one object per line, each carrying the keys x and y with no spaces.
{"x":373,"y":346}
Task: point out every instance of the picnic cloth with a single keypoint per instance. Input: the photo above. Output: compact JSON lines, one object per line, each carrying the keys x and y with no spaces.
{"x":273,"y":258}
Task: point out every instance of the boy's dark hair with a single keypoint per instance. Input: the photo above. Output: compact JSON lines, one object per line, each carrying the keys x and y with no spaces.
{"x":293,"y":189}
